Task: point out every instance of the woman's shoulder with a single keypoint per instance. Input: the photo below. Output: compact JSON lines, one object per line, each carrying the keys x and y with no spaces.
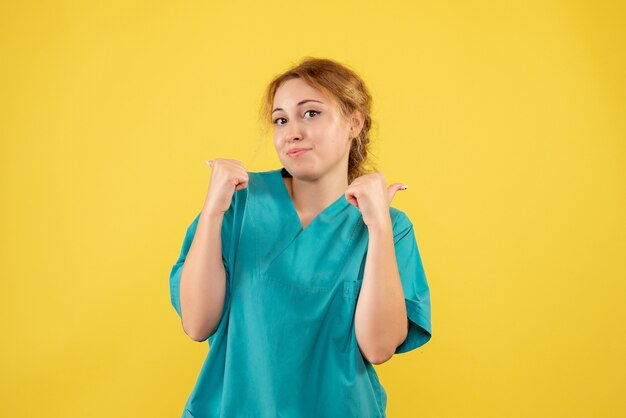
{"x":265,"y":175}
{"x":397,"y":214}
{"x":261,"y":182}
{"x":399,"y":219}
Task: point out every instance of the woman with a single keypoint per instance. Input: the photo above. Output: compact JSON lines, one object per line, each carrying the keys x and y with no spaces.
{"x":301,"y":277}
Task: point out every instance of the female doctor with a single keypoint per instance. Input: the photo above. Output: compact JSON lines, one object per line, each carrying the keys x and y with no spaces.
{"x":304,"y":276}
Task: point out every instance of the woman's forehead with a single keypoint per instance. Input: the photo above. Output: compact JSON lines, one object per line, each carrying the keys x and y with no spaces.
{"x":296,"y":90}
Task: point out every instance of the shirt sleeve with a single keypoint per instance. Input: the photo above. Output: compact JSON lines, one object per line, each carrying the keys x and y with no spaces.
{"x":414,"y":285}
{"x":175,"y":273}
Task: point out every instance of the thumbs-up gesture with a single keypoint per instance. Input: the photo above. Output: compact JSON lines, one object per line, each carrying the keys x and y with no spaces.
{"x":371,"y":195}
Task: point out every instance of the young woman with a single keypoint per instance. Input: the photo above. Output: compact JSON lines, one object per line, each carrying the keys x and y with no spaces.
{"x":301,"y":277}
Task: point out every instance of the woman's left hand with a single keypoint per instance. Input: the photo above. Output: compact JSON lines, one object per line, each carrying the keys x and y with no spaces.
{"x":369,"y":193}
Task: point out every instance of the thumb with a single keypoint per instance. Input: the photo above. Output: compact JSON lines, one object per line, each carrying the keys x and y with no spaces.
{"x":393,"y":188}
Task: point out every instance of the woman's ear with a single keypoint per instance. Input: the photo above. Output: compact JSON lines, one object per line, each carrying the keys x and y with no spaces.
{"x":357,"y":120}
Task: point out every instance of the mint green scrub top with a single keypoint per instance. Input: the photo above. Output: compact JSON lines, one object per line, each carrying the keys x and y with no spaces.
{"x":285,"y":345}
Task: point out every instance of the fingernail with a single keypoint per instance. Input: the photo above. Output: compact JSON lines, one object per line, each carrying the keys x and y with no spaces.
{"x":404,"y":187}
{"x":208,"y":162}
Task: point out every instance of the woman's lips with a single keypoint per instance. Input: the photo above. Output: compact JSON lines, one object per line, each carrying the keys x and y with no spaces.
{"x":296,"y":153}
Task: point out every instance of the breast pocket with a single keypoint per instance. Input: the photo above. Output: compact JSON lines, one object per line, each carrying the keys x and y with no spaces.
{"x":298,"y":315}
{"x":343,"y":311}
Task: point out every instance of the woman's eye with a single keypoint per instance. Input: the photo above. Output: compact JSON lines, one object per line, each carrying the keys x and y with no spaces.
{"x":276,"y":120}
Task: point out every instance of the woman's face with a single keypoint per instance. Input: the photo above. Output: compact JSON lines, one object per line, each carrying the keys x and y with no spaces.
{"x":304,"y":118}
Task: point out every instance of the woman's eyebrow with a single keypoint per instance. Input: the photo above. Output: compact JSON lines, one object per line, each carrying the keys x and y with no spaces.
{"x":299,"y":103}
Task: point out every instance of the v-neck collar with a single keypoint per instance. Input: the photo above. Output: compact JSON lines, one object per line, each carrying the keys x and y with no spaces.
{"x":331,"y":209}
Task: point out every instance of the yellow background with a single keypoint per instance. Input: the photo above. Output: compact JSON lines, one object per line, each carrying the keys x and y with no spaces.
{"x":506,"y":119}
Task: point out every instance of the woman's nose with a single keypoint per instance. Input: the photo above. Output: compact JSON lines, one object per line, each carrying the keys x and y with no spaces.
{"x":294,"y":132}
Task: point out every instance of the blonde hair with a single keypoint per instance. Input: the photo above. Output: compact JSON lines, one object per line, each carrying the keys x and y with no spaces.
{"x":351,"y":93}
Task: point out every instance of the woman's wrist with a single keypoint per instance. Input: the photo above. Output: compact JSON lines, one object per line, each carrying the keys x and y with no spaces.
{"x":380,"y":227}
{"x":211,"y":214}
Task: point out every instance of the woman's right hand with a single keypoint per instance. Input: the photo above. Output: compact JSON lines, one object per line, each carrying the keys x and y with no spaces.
{"x":227,"y":176}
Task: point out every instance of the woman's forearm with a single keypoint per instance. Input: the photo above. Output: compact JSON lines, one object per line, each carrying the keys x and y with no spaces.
{"x":381,"y":323}
{"x":203,"y":279}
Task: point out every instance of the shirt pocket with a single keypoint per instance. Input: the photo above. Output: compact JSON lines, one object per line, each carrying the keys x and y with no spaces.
{"x":301,"y":315}
{"x":343,"y":310}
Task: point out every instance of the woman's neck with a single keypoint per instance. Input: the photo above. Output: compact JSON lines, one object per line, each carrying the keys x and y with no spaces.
{"x":311,"y":197}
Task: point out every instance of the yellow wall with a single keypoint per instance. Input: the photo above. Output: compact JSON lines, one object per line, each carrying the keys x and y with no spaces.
{"x":506,"y":119}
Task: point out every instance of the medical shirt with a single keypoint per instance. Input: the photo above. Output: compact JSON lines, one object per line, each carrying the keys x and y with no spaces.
{"x":285,"y":345}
